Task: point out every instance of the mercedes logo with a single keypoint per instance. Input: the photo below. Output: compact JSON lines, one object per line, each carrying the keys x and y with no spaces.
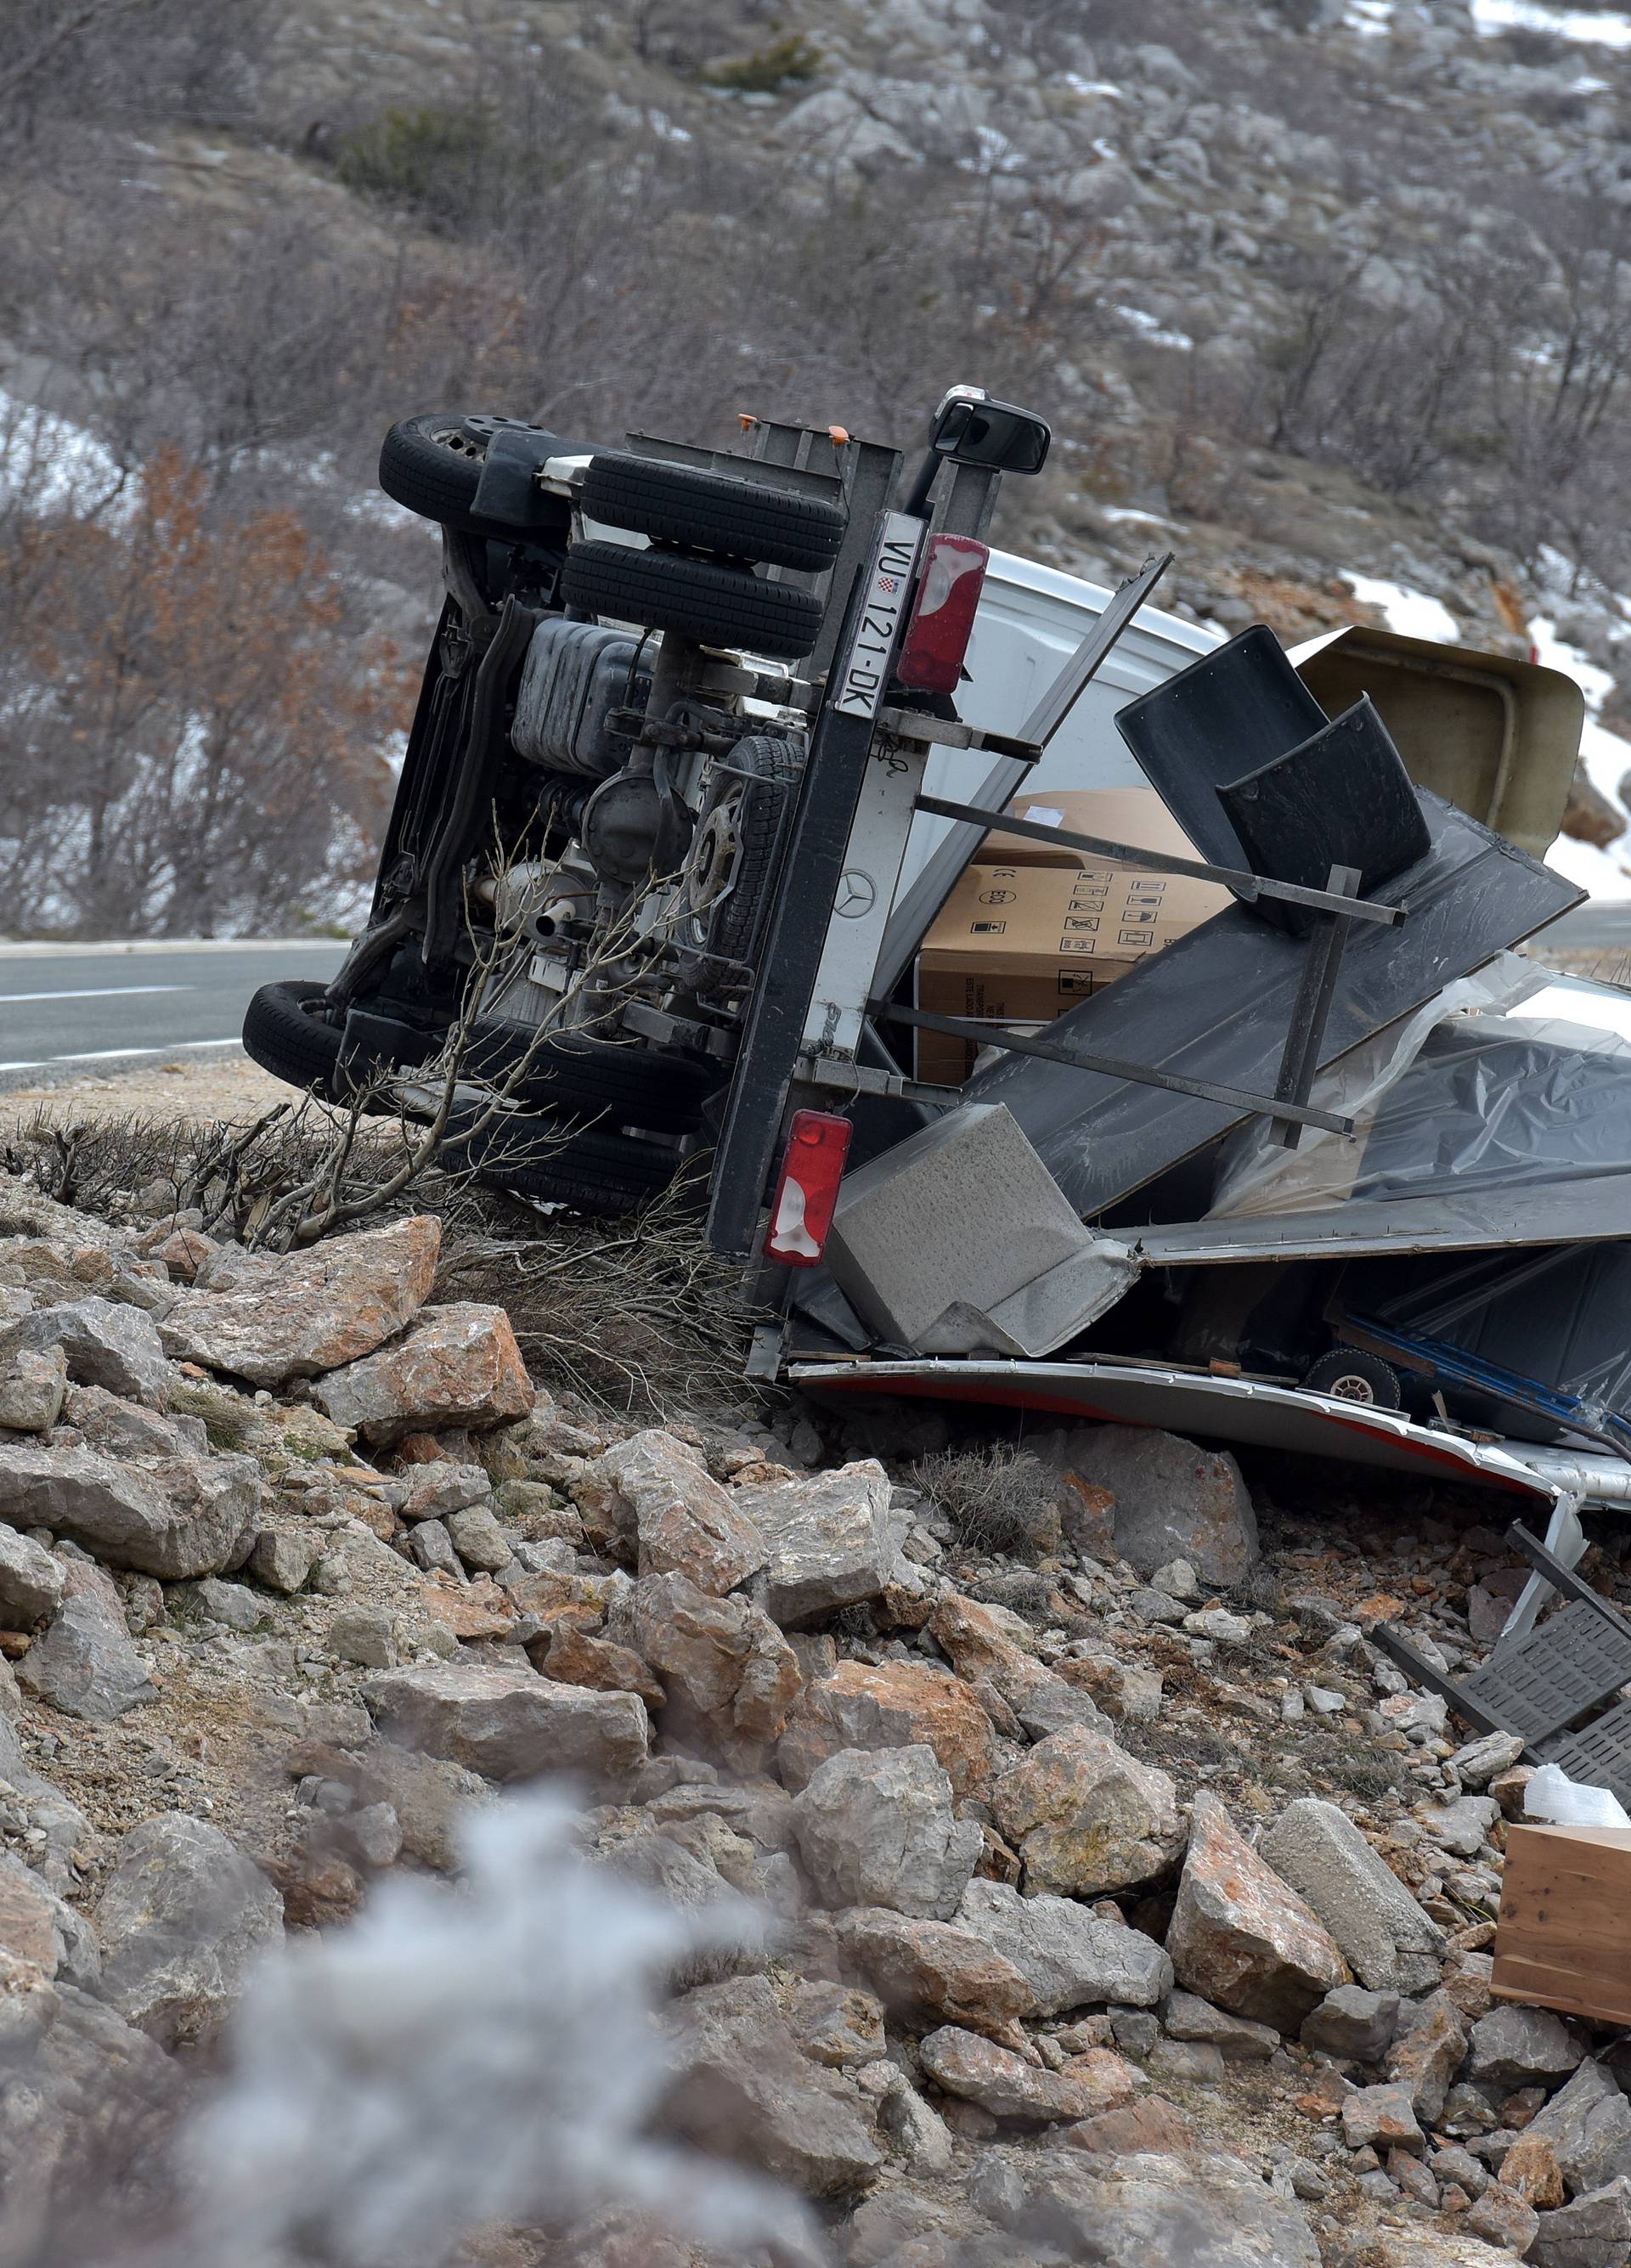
{"x":857,"y":894}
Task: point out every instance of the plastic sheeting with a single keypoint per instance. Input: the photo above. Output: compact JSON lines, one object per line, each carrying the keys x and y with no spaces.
{"x":1457,"y":1102}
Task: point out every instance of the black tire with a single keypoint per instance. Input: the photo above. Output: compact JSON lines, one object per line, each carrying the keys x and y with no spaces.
{"x":579,"y":1076}
{"x":1350,"y":1374}
{"x":536,"y":1157}
{"x":699,"y":599}
{"x":284,"y":1037}
{"x":675,"y":504}
{"x":733,"y":929}
{"x":433,"y":465}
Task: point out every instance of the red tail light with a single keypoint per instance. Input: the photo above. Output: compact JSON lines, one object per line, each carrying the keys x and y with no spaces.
{"x":806,"y":1191}
{"x":943,"y":620}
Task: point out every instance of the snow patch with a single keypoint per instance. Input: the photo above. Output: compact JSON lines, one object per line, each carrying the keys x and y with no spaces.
{"x":1606,"y":759}
{"x":1586,"y":26}
{"x":1410,"y":614}
{"x":50,"y":464}
{"x":1151,"y":328}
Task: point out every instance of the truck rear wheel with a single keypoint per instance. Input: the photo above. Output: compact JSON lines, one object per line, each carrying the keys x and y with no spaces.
{"x":700,"y":598}
{"x":285,"y":1035}
{"x":706,"y":512}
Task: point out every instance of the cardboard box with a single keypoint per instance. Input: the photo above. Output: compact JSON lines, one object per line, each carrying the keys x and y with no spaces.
{"x":1025,"y":936}
{"x":1563,"y":1940}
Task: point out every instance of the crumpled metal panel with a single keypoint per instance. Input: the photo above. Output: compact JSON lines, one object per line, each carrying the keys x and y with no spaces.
{"x":1216,"y":1005}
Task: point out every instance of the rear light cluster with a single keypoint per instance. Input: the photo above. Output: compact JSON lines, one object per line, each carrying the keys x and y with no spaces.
{"x":807,"y":1189}
{"x":942,"y":619}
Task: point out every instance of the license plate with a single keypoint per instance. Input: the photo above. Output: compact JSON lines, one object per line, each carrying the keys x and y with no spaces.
{"x":866,"y":672}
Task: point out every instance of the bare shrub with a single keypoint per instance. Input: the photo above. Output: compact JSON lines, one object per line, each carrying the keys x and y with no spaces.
{"x":999,"y":1500}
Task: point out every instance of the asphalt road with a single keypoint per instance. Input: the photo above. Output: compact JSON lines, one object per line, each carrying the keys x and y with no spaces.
{"x":1593,"y":926}
{"x":65,"y":1010}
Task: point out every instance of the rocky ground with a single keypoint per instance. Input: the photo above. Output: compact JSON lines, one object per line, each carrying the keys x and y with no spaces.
{"x":1118,"y":1900}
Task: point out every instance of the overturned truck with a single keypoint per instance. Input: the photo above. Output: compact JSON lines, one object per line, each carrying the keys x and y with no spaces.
{"x":711,"y":743}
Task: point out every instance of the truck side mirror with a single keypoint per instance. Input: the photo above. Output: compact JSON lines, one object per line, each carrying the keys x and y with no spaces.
{"x":972,"y":430}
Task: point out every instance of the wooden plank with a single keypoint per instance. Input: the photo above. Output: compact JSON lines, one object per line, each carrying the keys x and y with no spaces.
{"x":1563,"y":1940}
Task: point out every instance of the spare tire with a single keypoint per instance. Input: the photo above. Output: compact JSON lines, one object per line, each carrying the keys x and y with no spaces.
{"x":433,"y":465}
{"x":678,"y":503}
{"x":700,"y":598}
{"x":286,"y":1036}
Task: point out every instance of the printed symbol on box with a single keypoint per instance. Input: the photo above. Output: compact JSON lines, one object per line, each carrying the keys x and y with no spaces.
{"x":1140,"y":938}
{"x":1148,"y":893}
{"x":997,"y":897}
{"x":1134,"y":914}
{"x":857,"y":894}
{"x":1079,"y":945}
{"x":987,"y":928}
{"x":1075,"y":979}
{"x":1081,"y":921}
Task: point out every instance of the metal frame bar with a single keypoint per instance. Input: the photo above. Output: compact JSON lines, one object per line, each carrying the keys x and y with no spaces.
{"x":1245,"y":884}
{"x":997,"y":1034}
{"x":1310,"y":1010}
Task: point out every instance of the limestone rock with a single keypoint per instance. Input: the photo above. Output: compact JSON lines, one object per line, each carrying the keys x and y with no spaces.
{"x":1070,"y":1955}
{"x":31,"y":1581}
{"x":86,"y":2093}
{"x":479,"y":1541}
{"x":989,"y":1648}
{"x":434,"y":1491}
{"x":1144,"y":2211}
{"x":742,"y":2087}
{"x":574,"y":1658}
{"x":183,"y":1916}
{"x":1354,"y":2023}
{"x":937,"y":1972}
{"x":655,"y":1497}
{"x":1153,"y":2124}
{"x":509,"y":1724}
{"x":1172,"y":1499}
{"x":876,"y":1829}
{"x":38,"y":1926}
{"x":1503,"y":2218}
{"x":1387,"y":1941}
{"x":271,"y":1318}
{"x":829,"y":1542}
{"x":1004,"y":2084}
{"x":1482,"y":1760}
{"x":1588,"y":2122}
{"x":890,"y":1704}
{"x":1381,"y":2118}
{"x":730,"y":1675}
{"x":1425,"y":2056}
{"x":1236,"y":2038}
{"x":1593,"y":2232}
{"x":170,"y":1515}
{"x":33,"y":1383}
{"x":1530,"y":2166}
{"x":1087,"y":1818}
{"x":282,"y":1557}
{"x":1516,"y":2046}
{"x":458,"y":1366}
{"x":85,"y":1664}
{"x":1240,"y":1936}
{"x":104,"y":1343}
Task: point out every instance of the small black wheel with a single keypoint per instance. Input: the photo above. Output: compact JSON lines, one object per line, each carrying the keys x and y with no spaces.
{"x":700,"y":598}
{"x":284,"y":1033}
{"x":582,"y":1077}
{"x":433,"y":465}
{"x":677,"y":504}
{"x":1349,"y":1374}
{"x":539,"y":1157}
{"x":732,"y":858}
